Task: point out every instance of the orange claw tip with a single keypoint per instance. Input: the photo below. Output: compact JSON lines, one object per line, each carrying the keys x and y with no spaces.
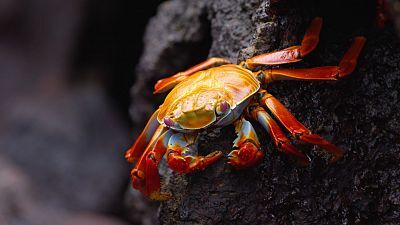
{"x":158,"y":87}
{"x":128,"y":156}
{"x":336,"y":152}
{"x":360,"y":41}
{"x":301,"y":158}
{"x":335,"y":158}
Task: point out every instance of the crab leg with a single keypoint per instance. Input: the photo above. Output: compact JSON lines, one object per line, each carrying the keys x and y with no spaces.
{"x":291,"y":54}
{"x":280,"y":140}
{"x":145,"y":176}
{"x":143,"y":140}
{"x":297,"y":129}
{"x":346,"y":66}
{"x":179,"y":146}
{"x":246,"y":146}
{"x":169,"y":82}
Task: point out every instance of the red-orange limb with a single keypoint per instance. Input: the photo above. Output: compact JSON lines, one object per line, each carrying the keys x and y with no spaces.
{"x":346,"y":66}
{"x":297,"y":129}
{"x":291,"y":54}
{"x":143,"y":140}
{"x":318,"y":73}
{"x":279,"y":138}
{"x":349,"y":61}
{"x":145,"y":176}
{"x":179,"y":146}
{"x":246,"y":146}
{"x":170,"y":82}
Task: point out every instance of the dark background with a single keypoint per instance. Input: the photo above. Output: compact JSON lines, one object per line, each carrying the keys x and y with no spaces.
{"x":66,"y":69}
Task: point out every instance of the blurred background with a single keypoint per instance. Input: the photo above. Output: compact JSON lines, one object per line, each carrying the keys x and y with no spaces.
{"x":65,"y":72}
{"x":66,"y":68}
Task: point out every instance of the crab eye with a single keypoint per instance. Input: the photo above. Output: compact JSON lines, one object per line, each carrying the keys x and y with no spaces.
{"x":222,"y":107}
{"x":168,"y":121}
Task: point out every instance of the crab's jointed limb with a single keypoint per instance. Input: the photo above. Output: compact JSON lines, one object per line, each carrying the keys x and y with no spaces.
{"x":246,"y":146}
{"x":145,"y":176}
{"x":296,"y":129}
{"x":137,"y":149}
{"x":170,"y":82}
{"x":280,"y":139}
{"x":180,"y":154}
{"x":345,"y":67}
{"x":291,"y":54}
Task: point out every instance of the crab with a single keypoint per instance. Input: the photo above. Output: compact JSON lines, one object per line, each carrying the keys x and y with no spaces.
{"x":217,"y":93}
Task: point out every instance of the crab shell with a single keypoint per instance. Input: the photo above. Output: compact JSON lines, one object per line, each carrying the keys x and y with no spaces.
{"x":193,"y":103}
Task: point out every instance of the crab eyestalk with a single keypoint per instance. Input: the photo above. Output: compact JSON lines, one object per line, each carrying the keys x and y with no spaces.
{"x":222,"y":107}
{"x":169,"y":122}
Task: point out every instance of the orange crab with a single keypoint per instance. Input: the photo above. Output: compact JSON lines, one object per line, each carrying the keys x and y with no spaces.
{"x":216,"y":93}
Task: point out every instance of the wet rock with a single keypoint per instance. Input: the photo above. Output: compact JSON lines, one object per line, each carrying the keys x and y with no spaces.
{"x":358,"y":113}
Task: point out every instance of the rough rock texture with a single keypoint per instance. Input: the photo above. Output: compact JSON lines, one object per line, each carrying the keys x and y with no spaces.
{"x":359,"y":113}
{"x":179,"y":30}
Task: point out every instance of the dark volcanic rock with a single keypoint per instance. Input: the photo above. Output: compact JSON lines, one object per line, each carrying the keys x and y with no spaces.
{"x":359,"y":113}
{"x":174,"y":38}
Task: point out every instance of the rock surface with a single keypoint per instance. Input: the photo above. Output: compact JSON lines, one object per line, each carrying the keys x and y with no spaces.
{"x":359,"y":113}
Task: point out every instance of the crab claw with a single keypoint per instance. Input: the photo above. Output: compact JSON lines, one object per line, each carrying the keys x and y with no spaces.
{"x":145,"y":176}
{"x":187,"y":164}
{"x":336,"y":152}
{"x":248,"y":155}
{"x":247,"y":151}
{"x":146,"y":179}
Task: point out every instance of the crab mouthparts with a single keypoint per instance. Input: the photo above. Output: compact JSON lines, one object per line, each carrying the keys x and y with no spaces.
{"x":195,"y":119}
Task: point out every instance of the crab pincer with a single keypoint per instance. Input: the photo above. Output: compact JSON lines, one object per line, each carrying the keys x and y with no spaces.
{"x":145,"y":176}
{"x":179,"y":146}
{"x":247,"y":150}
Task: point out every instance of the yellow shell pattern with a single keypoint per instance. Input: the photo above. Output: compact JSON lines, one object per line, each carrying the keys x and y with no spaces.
{"x":192,"y":102}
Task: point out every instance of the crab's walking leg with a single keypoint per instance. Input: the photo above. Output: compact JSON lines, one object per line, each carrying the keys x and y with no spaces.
{"x":297,"y":129}
{"x":143,"y":140}
{"x":246,"y":146}
{"x":279,"y":138}
{"x":180,"y":147}
{"x":346,"y":66}
{"x":291,"y":54}
{"x":145,"y":176}
{"x":168,"y":83}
